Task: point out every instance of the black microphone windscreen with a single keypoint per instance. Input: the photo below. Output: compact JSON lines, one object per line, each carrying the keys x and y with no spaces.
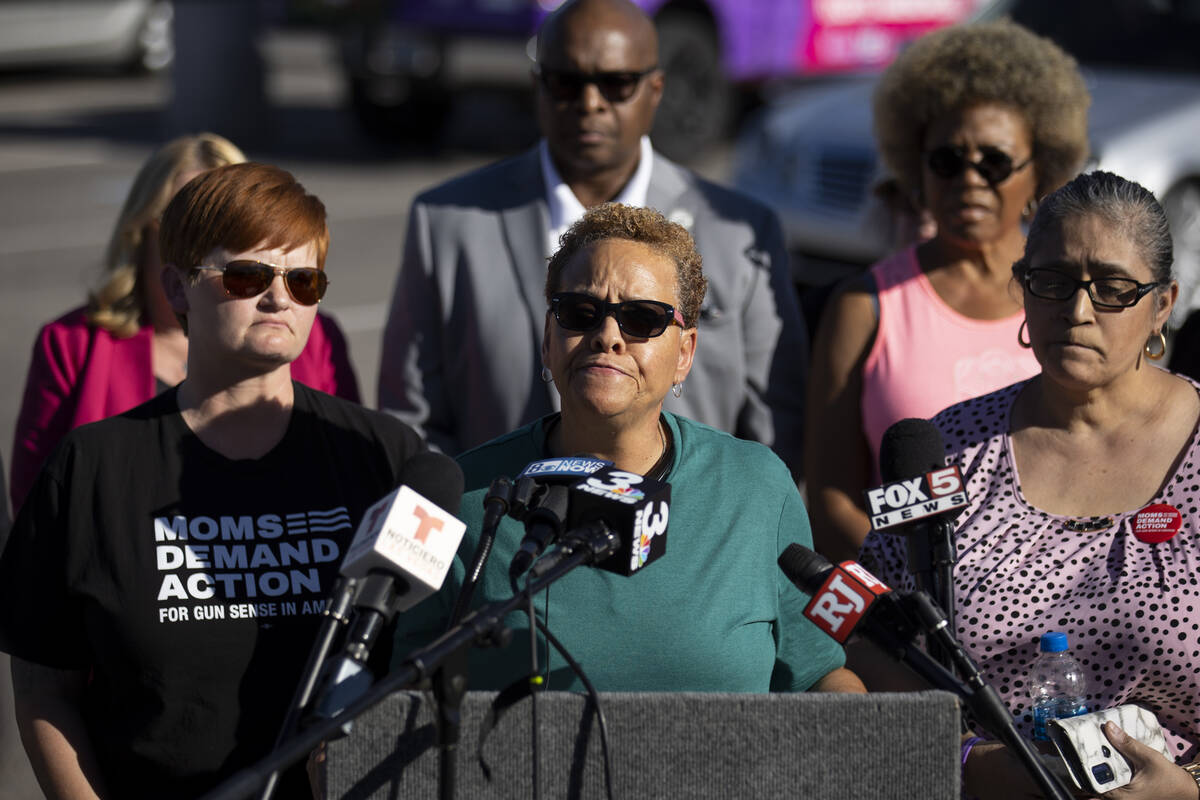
{"x":803,"y":567}
{"x":909,"y":448}
{"x":436,"y":477}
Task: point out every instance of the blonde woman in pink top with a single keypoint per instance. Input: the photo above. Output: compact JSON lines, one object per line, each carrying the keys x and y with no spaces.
{"x":126,"y":344}
{"x":976,"y":122}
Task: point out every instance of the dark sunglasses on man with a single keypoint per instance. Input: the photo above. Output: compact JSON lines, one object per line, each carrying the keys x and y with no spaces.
{"x":565,"y":86}
{"x":243,"y":279}
{"x":641,"y":319}
{"x":994,"y":165}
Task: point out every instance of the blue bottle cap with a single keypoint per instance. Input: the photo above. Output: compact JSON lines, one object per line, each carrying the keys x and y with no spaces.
{"x":1053,"y":642}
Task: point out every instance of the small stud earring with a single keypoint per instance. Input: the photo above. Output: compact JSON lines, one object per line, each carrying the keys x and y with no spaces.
{"x":1030,"y":209}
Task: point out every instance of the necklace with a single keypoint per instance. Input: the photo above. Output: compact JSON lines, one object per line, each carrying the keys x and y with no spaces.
{"x":1088,"y":524}
{"x":658,"y":470}
{"x":662,"y":466}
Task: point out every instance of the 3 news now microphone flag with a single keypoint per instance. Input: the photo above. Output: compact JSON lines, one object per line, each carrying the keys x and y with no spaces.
{"x":566,"y":469}
{"x":635,"y":507}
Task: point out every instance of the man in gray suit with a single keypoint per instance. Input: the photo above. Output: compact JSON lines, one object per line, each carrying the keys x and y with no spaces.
{"x":461,"y":351}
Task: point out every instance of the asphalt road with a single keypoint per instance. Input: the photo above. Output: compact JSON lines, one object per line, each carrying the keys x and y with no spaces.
{"x":70,"y":144}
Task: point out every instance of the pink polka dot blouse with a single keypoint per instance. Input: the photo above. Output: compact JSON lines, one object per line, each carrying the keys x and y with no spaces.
{"x":1131,"y":608}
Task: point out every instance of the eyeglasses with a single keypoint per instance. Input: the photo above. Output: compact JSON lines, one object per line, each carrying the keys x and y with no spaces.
{"x":994,"y":165}
{"x":306,"y":285}
{"x":565,"y":86}
{"x":642,"y":319}
{"x":1050,"y":284}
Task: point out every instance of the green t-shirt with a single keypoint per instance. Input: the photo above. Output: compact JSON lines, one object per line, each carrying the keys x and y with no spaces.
{"x":715,"y":613}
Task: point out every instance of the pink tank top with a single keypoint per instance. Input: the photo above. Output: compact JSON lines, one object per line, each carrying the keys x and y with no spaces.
{"x":927,"y":356}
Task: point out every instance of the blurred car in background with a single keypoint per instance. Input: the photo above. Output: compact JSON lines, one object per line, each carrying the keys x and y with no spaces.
{"x":405,"y":58}
{"x":125,"y":34}
{"x":812,"y":155}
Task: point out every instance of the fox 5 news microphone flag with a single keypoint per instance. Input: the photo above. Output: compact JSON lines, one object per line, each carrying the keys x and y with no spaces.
{"x":908,"y":499}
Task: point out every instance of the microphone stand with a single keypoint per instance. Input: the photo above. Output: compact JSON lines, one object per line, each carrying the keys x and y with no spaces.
{"x":979,"y":696}
{"x":931,"y":559}
{"x":335,"y":614}
{"x":450,"y":681}
{"x":483,"y":627}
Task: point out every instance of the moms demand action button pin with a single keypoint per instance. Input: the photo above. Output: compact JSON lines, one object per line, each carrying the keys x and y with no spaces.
{"x":1157,"y":523}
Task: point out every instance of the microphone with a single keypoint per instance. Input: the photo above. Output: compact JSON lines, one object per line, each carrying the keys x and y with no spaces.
{"x":920,"y":500}
{"x":847,"y":598}
{"x":917,"y":482}
{"x":612,"y":502}
{"x":400,"y":555}
{"x":546,"y":511}
{"x":543,"y":524}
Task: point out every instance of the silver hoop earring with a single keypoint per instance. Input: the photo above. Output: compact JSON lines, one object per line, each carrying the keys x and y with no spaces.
{"x":1023,"y":342}
{"x":547,"y":375}
{"x":677,"y":388}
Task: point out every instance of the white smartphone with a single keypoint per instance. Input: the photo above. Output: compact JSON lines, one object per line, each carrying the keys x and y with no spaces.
{"x":1093,"y":764}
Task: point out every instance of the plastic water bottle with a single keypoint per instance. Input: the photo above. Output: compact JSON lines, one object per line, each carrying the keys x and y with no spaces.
{"x":1057,"y":684}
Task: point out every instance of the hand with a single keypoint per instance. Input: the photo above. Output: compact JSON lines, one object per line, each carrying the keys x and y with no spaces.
{"x":1155,"y":777}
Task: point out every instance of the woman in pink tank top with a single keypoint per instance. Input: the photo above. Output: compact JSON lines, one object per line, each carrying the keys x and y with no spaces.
{"x":976,"y":122}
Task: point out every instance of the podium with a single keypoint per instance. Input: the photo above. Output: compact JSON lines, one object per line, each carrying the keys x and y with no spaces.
{"x":813,"y":746}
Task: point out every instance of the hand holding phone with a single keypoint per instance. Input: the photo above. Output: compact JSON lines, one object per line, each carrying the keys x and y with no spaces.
{"x":1093,"y":764}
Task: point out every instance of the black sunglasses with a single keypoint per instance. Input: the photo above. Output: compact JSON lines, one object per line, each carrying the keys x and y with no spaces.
{"x":994,"y":164}
{"x":565,"y":86}
{"x":306,"y":285}
{"x":642,"y":319}
{"x":1050,"y":284}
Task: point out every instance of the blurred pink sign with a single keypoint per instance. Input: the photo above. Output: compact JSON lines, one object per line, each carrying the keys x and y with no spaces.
{"x":865,"y":34}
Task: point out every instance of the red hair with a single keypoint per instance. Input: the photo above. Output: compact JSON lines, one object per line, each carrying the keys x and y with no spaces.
{"x":241,"y":207}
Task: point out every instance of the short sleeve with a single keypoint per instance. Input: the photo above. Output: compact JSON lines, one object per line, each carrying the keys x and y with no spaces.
{"x":804,"y":654}
{"x":41,"y":621}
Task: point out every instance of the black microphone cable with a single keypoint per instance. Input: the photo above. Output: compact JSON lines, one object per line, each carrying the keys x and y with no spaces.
{"x":536,"y":682}
{"x":586,"y":536}
{"x":593,"y":697}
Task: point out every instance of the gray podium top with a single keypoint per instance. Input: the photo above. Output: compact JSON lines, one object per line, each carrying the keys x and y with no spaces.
{"x":678,"y":745}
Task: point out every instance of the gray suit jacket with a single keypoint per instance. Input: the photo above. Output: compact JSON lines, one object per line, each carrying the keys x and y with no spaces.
{"x":462,"y":346}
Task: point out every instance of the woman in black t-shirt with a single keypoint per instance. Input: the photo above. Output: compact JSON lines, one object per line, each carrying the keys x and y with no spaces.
{"x":164,"y":580}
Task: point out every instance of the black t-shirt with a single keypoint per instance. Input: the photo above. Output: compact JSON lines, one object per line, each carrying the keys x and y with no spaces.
{"x":189,"y":585}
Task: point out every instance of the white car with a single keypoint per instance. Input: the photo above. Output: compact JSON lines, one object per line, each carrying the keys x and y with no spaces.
{"x":812,"y":155}
{"x":134,"y":34}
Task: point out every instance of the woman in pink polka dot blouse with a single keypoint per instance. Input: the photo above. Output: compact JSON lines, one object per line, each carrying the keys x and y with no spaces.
{"x":1084,"y":485}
